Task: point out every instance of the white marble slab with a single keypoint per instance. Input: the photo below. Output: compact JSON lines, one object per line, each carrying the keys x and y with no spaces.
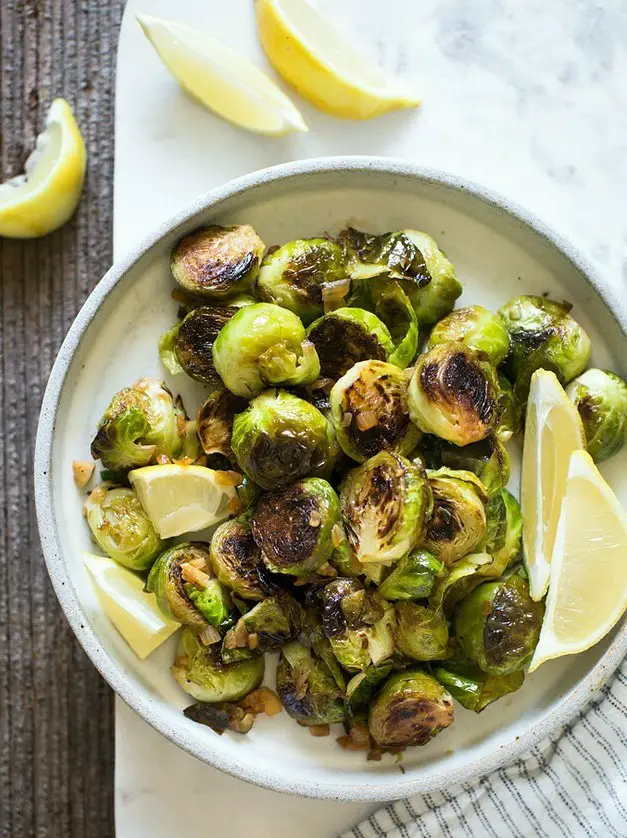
{"x":527,"y":97}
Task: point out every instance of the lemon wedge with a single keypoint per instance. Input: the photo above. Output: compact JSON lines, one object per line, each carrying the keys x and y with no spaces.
{"x":222,"y":79}
{"x":181,"y":498}
{"x":553,"y":430}
{"x":323,"y":65}
{"x":132,"y":611}
{"x":47,"y":194}
{"x":588,"y":587}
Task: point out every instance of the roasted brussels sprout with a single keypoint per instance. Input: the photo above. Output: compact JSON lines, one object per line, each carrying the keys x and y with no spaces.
{"x":214,"y":424}
{"x":309,"y":691}
{"x":542,"y":335}
{"x":121,"y":527}
{"x":294,"y":275}
{"x":600,"y":396}
{"x":358,"y":623}
{"x":510,"y":411}
{"x":370,"y":255}
{"x":421,"y":633}
{"x":200,"y":671}
{"x":476,"y":327}
{"x":370,"y":413}
{"x":411,"y":708}
{"x":361,"y":689}
{"x":464,"y":576}
{"x":280,"y":438}
{"x":498,"y":625}
{"x":458,"y":523}
{"x":263,"y":345}
{"x":488,"y":459}
{"x":385,"y":503}
{"x":141,"y":422}
{"x":413,"y":577}
{"x":348,"y":335}
{"x":504,"y":529}
{"x":454,"y":394}
{"x":185,"y":588}
{"x":436,"y":299}
{"x":266,"y":627}
{"x":343,"y":558}
{"x":473,"y":688}
{"x":294,"y":527}
{"x":217,"y":262}
{"x":236,"y":561}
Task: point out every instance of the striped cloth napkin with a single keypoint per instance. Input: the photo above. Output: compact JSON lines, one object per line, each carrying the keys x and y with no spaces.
{"x":573,"y":784}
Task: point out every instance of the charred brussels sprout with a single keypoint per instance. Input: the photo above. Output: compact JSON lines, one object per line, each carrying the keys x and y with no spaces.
{"x":504,"y":529}
{"x":370,"y":412}
{"x":543,"y":335}
{"x":214,"y":424}
{"x":263,"y":345}
{"x":498,"y":625}
{"x":454,"y":394}
{"x":236,"y":561}
{"x":476,"y":327}
{"x":358,"y":623}
{"x":510,"y":411}
{"x":413,"y":577}
{"x":346,"y":336}
{"x":294,"y":275}
{"x":141,"y":422}
{"x":294,"y":527}
{"x":411,"y":708}
{"x":392,"y":253}
{"x":473,"y":688}
{"x":121,"y":527}
{"x":600,"y":396}
{"x":488,"y":459}
{"x":200,"y":671}
{"x":308,"y":689}
{"x":265,"y":628}
{"x":217,"y":262}
{"x":436,"y":299}
{"x":387,"y":299}
{"x":385,"y":503}
{"x":421,"y":633}
{"x":280,"y":438}
{"x":458,"y":523}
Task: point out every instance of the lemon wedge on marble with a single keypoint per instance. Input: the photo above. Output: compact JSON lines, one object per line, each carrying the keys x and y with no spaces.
{"x":588,"y":583}
{"x":132,"y":611}
{"x":221,"y":79}
{"x":323,"y":65}
{"x":553,"y":430}
{"x":47,"y":194}
{"x":181,"y":498}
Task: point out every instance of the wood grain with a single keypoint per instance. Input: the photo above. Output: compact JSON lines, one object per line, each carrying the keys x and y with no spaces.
{"x":56,"y":713}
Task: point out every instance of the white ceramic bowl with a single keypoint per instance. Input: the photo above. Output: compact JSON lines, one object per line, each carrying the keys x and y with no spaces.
{"x":499,"y":251}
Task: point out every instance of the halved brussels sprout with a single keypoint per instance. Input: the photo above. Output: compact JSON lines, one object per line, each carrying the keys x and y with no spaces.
{"x":411,"y":708}
{"x":214,"y":424}
{"x":436,"y":299}
{"x":600,"y":396}
{"x":141,"y":422}
{"x":309,"y":691}
{"x":294,"y":527}
{"x":280,"y":438}
{"x":361,"y":689}
{"x":236,"y":561}
{"x":464,"y":577}
{"x":498,"y":625}
{"x":348,"y":335}
{"x":413,"y":577}
{"x":458,"y":523}
{"x":358,"y":623}
{"x":294,"y":275}
{"x":421,"y":633}
{"x":454,"y":394}
{"x":266,"y":627}
{"x":385,"y":503}
{"x":473,"y":688}
{"x":504,"y":529}
{"x":121,"y":527}
{"x":488,"y":459}
{"x":200,"y":671}
{"x":395,"y":254}
{"x":263,"y":345}
{"x":370,"y":413}
{"x":476,"y":327}
{"x":543,"y":335}
{"x":217,"y":262}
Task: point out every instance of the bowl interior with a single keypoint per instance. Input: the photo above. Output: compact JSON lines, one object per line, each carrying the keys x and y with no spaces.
{"x":497,"y":257}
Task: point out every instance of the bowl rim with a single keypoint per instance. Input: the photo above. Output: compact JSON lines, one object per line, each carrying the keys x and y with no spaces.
{"x":373,"y":787}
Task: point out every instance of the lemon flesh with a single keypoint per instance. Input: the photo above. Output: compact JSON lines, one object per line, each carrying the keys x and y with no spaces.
{"x":133,"y":612}
{"x":322,"y":65}
{"x":222,"y":79}
{"x":180,"y":498}
{"x":47,"y":194}
{"x":553,"y":430}
{"x":588,"y":584}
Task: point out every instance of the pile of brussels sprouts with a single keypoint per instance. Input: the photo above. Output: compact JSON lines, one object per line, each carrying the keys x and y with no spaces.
{"x":374,"y":544}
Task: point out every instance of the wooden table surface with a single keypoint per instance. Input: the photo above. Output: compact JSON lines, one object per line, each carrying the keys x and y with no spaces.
{"x":56,"y":713}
